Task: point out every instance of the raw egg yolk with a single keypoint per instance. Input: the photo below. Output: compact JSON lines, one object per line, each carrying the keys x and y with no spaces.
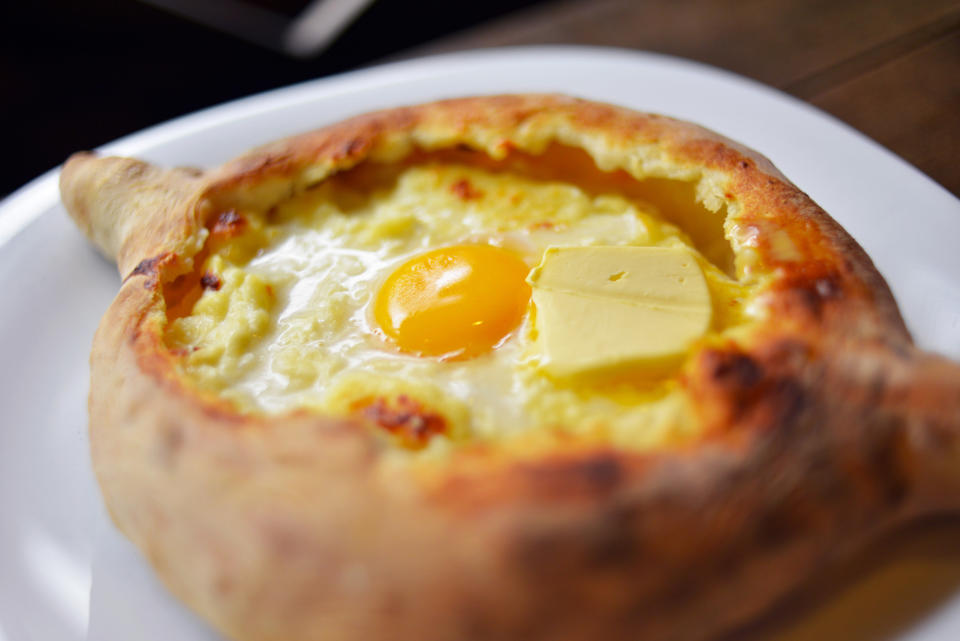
{"x":455,"y":301}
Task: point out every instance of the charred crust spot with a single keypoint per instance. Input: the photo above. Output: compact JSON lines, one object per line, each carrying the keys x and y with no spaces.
{"x":732,"y":369}
{"x":209,"y":280}
{"x":810,"y":289}
{"x":229,"y":224}
{"x":748,"y":391}
{"x":744,"y":164}
{"x":349,"y":148}
{"x":406,"y":419}
{"x":252,"y":166}
{"x":464,"y":190}
{"x":150,"y":267}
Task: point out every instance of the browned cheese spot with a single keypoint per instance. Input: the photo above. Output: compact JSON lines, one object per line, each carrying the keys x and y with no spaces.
{"x":229,"y":224}
{"x":464,"y":190}
{"x":406,"y":419}
{"x":209,"y":280}
{"x":543,"y":224}
{"x":184,"y":351}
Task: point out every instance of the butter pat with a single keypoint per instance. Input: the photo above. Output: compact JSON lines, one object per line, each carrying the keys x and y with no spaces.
{"x":617,"y":309}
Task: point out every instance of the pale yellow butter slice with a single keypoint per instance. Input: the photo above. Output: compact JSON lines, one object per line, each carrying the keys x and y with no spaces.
{"x":617,"y":309}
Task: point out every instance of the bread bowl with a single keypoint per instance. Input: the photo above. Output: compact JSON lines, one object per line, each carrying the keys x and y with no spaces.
{"x":798,"y":424}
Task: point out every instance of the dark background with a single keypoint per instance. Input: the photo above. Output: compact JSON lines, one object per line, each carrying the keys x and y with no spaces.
{"x":77,"y":74}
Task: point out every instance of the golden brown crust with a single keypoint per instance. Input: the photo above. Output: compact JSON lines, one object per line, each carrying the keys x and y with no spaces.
{"x":823,"y":427}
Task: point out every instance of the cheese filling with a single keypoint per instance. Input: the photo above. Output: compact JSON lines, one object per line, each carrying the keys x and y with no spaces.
{"x":293,"y":320}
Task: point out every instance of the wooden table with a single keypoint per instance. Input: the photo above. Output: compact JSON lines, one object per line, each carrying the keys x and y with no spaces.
{"x":889,"y":68}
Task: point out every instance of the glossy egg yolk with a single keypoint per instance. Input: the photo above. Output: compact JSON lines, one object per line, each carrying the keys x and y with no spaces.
{"x":457,"y":301}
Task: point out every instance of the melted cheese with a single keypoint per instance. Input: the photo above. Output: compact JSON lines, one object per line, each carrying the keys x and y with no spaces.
{"x":292,"y":325}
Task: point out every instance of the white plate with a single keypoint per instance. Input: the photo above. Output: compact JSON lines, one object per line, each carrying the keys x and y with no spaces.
{"x":65,"y":574}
